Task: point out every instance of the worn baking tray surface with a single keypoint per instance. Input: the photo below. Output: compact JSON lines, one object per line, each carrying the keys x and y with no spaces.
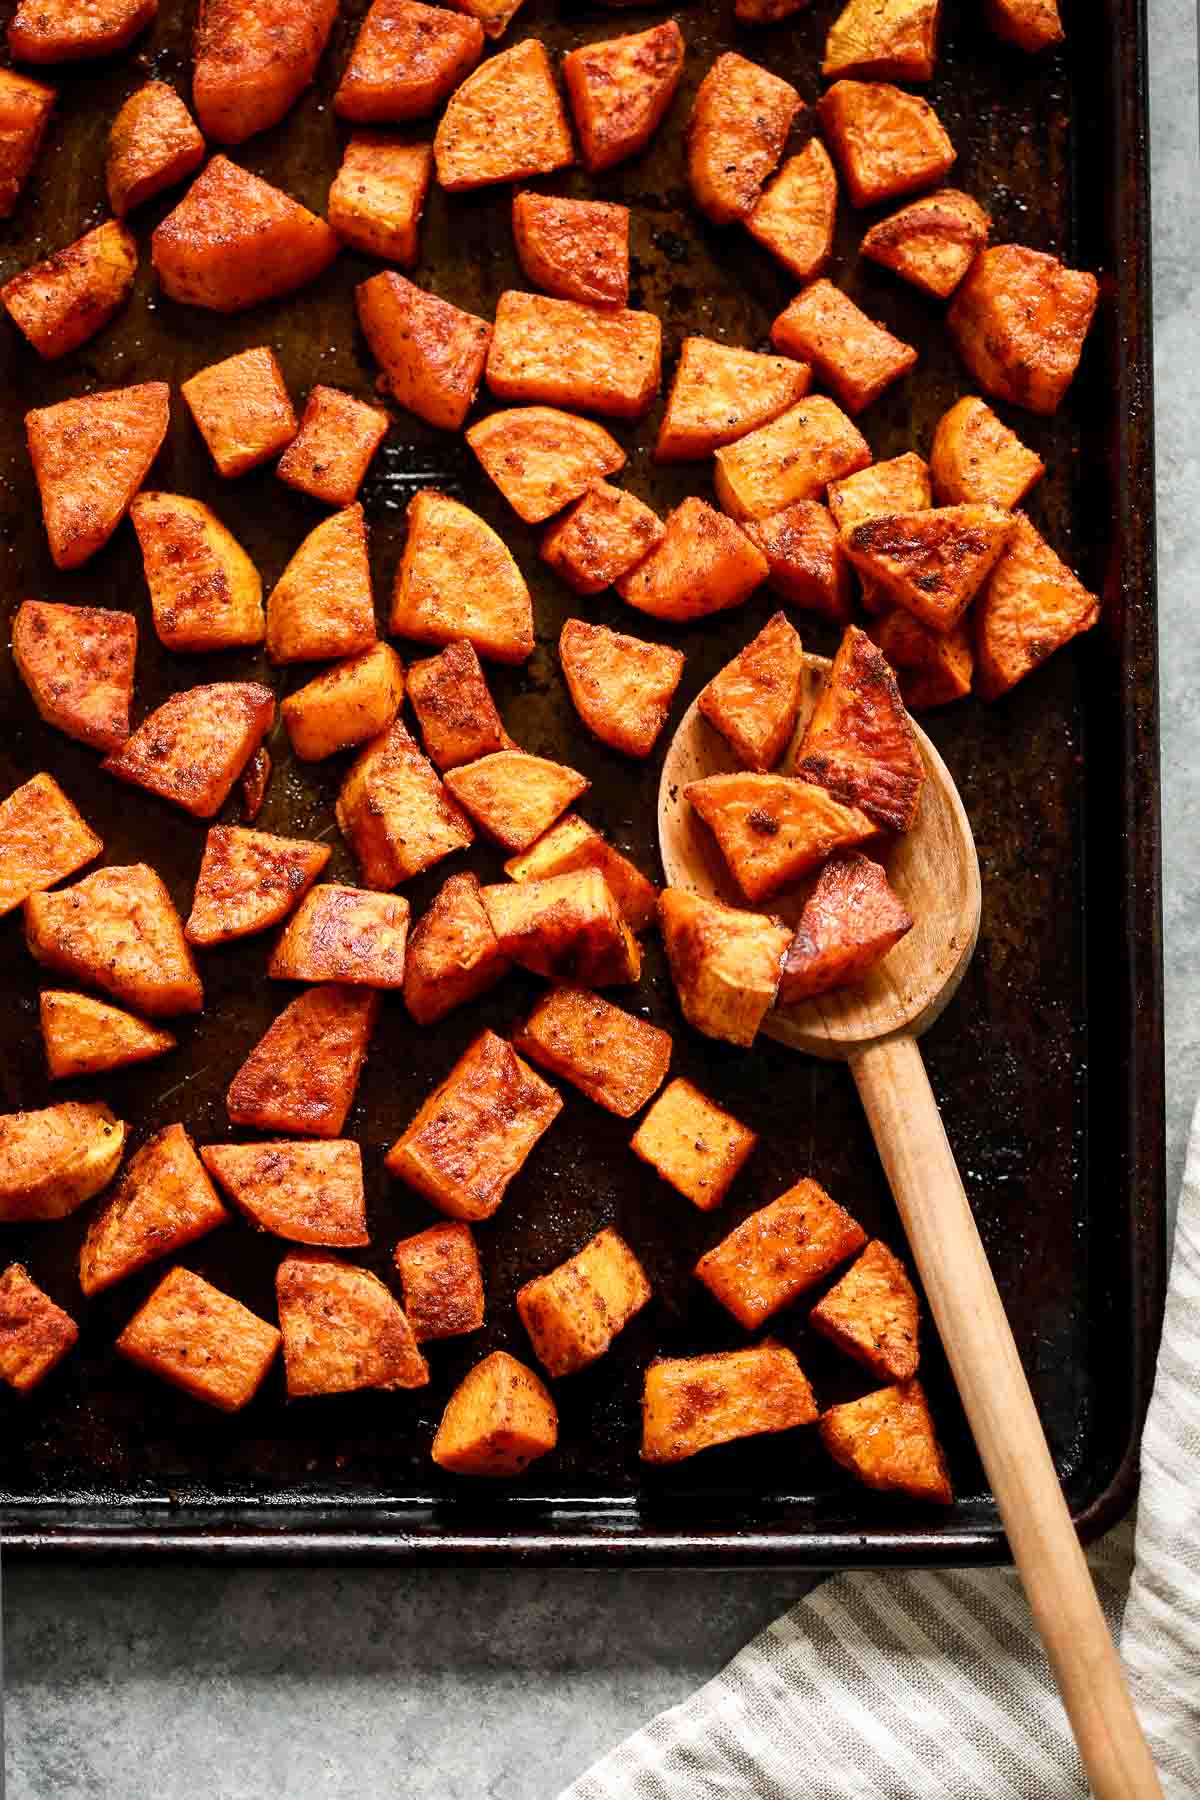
{"x":1047,"y":1067}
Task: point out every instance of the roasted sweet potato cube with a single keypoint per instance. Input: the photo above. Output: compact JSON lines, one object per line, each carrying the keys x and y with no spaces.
{"x":193,"y":747}
{"x":35,"y":1334}
{"x":163,"y":1202}
{"x":456,"y":713}
{"x":344,"y":934}
{"x":806,"y":563}
{"x":887,"y":1439}
{"x":25,"y":108}
{"x":1031,"y":25}
{"x":899,"y":485}
{"x":795,"y":215}
{"x":309,"y":1193}
{"x":975,"y":457}
{"x":234,"y":241}
{"x":719,"y":393}
{"x":885,"y":142}
{"x":738,"y":127}
{"x":118,"y":931}
{"x":754,"y":700}
{"x":342,"y":1330}
{"x":378,"y":194}
{"x":441,"y":1281}
{"x":606,"y":533}
{"x":452,"y":954}
{"x":562,"y":354}
{"x":621,"y":687}
{"x":205,"y":592}
{"x":78,"y":663}
{"x":248,"y":881}
{"x":617,"y":1060}
{"x":322,"y":605}
{"x":302,"y":1073}
{"x":60,"y":303}
{"x":873,"y":1314}
{"x":42,"y":839}
{"x":1019,"y":321}
{"x":690,"y":1403}
{"x":860,"y":744}
{"x":850,"y":921}
{"x":349,"y":704}
{"x":932,"y":562}
{"x":505,"y":123}
{"x":51,"y":31}
{"x":88,"y":1037}
{"x":494,"y":15}
{"x":792,"y":458}
{"x":693,"y":1143}
{"x":932,"y":667}
{"x":846,"y":350}
{"x":1031,"y":607}
{"x":242,"y":409}
{"x":407,"y":59}
{"x":574,"y":844}
{"x":724,"y":963}
{"x":702,"y":564}
{"x":498,"y":1420}
{"x":457,"y":579}
{"x":515,"y":797}
{"x":895,"y":38}
{"x":395,"y":813}
{"x":331,"y":452}
{"x":565,"y":927}
{"x":253,"y":782}
{"x":773,"y":830}
{"x":431,"y":353}
{"x":576,"y":249}
{"x":541,"y":459}
{"x":253,"y":60}
{"x":778,"y":1252}
{"x":931,"y":242}
{"x":573,"y":1314}
{"x":90,"y":456}
{"x":153,"y":144}
{"x":621,"y":90}
{"x":196,"y":1338}
{"x":52,"y":1160}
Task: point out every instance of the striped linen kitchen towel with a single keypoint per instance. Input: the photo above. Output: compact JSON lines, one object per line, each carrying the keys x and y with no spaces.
{"x":897,"y":1687}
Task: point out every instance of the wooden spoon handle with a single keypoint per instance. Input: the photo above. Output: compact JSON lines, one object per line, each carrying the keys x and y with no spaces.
{"x":979,"y":1343}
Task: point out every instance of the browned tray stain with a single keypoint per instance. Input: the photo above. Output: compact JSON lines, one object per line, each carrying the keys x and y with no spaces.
{"x":1048,"y":1066}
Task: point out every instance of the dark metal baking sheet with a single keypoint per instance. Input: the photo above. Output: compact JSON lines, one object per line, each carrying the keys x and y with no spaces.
{"x":1048,"y":1066}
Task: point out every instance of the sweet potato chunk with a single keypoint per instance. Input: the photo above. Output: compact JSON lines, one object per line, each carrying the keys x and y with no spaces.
{"x":1019,"y":321}
{"x":873,"y":1314}
{"x":377,"y":196}
{"x":565,"y":927}
{"x":850,"y":921}
{"x":719,"y":393}
{"x":163,"y":1202}
{"x":887,"y":1440}
{"x":342,"y":1329}
{"x":1031,"y":25}
{"x":702,"y":564}
{"x":617,"y":1060}
{"x":51,"y":31}
{"x":60,"y":303}
{"x":78,"y":662}
{"x":778,"y":1252}
{"x":606,"y":533}
{"x":407,"y":59}
{"x":621,"y":90}
{"x":895,"y":38}
{"x":932,"y":242}
{"x":331,"y":452}
{"x":932,"y":562}
{"x":354,"y":701}
{"x":795,"y":215}
{"x":693,"y":1143}
{"x":754,"y":700}
{"x":452,"y":954}
{"x":35,"y":1334}
{"x":395,"y":813}
{"x":252,"y":783}
{"x":234,"y":241}
{"x":441,"y":1281}
{"x":899,"y":485}
{"x":573,"y":1314}
{"x":432,"y":353}
{"x":846,"y":350}
{"x":576,"y":249}
{"x":322,"y":605}
{"x":1031,"y":607}
{"x":205,"y":592}
{"x":88,"y":1037}
{"x":457,"y":579}
{"x":498,"y":1420}
{"x":621,"y":686}
{"x":932,"y":667}
{"x":975,"y":457}
{"x":193,"y":747}
{"x":308,"y":1193}
{"x":725,"y":963}
{"x":860,"y":744}
{"x":792,"y":458}
{"x":691,"y":1403}
{"x":886,"y":143}
{"x":515,"y":797}
{"x":196,"y":1338}
{"x":493,"y":15}
{"x":53,"y":1160}
{"x":563,"y":354}
{"x":117,"y":930}
{"x":456,"y":713}
{"x":302,"y":1074}
{"x":153,"y":144}
{"x":738,"y":127}
{"x":25,"y":108}
{"x":90,"y":456}
{"x":248,"y":881}
{"x":242,"y":410}
{"x":42,"y":839}
{"x":253,"y":60}
{"x":806,"y":563}
{"x":574,"y":844}
{"x":475,"y":1131}
{"x":344,"y":934}
{"x":773,"y":830}
{"x":541,"y":459}
{"x":505,"y":123}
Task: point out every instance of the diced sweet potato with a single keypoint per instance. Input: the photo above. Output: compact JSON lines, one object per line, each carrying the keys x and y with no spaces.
{"x":795,"y":215}
{"x":895,"y":38}
{"x":78,"y":663}
{"x":51,"y":31}
{"x":541,"y":459}
{"x":35,"y":1334}
{"x":60,"y":303}
{"x":475,"y":1131}
{"x":873,"y":1314}
{"x":395,"y":813}
{"x":248,"y":881}
{"x":621,"y":90}
{"x":253,"y":782}
{"x":458,"y":579}
{"x":456,"y":713}
{"x":562,"y":354}
{"x":308,"y":1193}
{"x":574,"y":844}
{"x":778,"y":1252}
{"x":724,"y":963}
{"x":1031,"y":607}
{"x":90,"y":456}
{"x":1031,"y":25}
{"x":234,"y":241}
{"x":691,"y":1403}
{"x":773,"y":830}
{"x":975,"y":457}
{"x":354,"y":701}
{"x":452,"y":954}
{"x":860,"y":744}
{"x":494,"y":15}
{"x":719,"y":393}
{"x":576,"y":249}
{"x":932,"y":667}
{"x":163,"y":1202}
{"x":153,"y":144}
{"x":932,"y":242}
{"x":702,"y":564}
{"x":617,"y":1060}
{"x":407,"y":59}
{"x":505,"y":123}
{"x":515,"y":797}
{"x":932,"y":562}
{"x":196,"y":1338}
{"x":887,"y":1439}
{"x":88,"y":1037}
{"x":322,"y":605}
{"x":606,"y":533}
{"x":498,"y":1420}
{"x":899,"y":485}
{"x":117,"y":930}
{"x":242,"y":409}
{"x":573,"y":1314}
{"x":345,"y":934}
{"x":1019,"y":321}
{"x":565,"y":927}
{"x":193,"y":747}
{"x":253,"y":60}
{"x":42,"y":839}
{"x":432,"y":353}
{"x":53,"y":1160}
{"x":378,"y":194}
{"x":792,"y":458}
{"x":441,"y":1281}
{"x":332,"y":450}
{"x":849,"y":923}
{"x":621,"y":687}
{"x":693,"y":1143}
{"x":754,"y":700}
{"x":886,"y":143}
{"x":301,"y":1075}
{"x":738,"y":127}
{"x":205,"y":592}
{"x":846,"y":350}
{"x":807,"y":565}
{"x":342,"y":1330}
{"x":25,"y":108}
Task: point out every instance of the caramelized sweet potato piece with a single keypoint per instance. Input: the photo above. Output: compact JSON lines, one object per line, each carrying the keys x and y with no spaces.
{"x":806,"y":563}
{"x":432,"y":353}
{"x":90,"y":456}
{"x":322,"y":606}
{"x":457,"y":579}
{"x":118,"y":931}
{"x":606,"y":533}
{"x":899,"y":485}
{"x":452,"y":954}
{"x":931,"y":242}
{"x":738,"y":127}
{"x":792,"y":458}
{"x":975,"y":457}
{"x":621,"y":687}
{"x":53,"y":1160}
{"x":702,"y":564}
{"x":302,"y":1073}
{"x":691,"y":1403}
{"x":895,"y":38}
{"x":576,"y":249}
{"x":163,"y":1202}
{"x":153,"y":144}
{"x":377,"y":196}
{"x":1019,"y":321}
{"x":932,"y":667}
{"x":310,"y":1193}
{"x":515,"y":797}
{"x":493,"y":15}
{"x":541,"y":459}
{"x":795,"y":215}
{"x":1031,"y":607}
{"x":505,"y":123}
{"x":719,"y":393}
{"x":248,"y":881}
{"x":60,"y":303}
{"x":35,"y":1334}
{"x":193,"y":747}
{"x":725,"y":963}
{"x":25,"y":108}
{"x":565,"y":927}
{"x":441,"y":1281}
{"x":773,"y":830}
{"x":932,"y":562}
{"x":778,"y":1252}
{"x":205,"y":592}
{"x":42,"y":839}
{"x":621,"y":90}
{"x":573,"y":1314}
{"x":354,"y":701}
{"x":873,"y":1314}
{"x":849,"y":923}
{"x":196,"y":1338}
{"x":88,"y":1037}
{"x":242,"y":410}
{"x":345,"y":934}
{"x":407,"y":59}
{"x":574,"y":844}
{"x":342,"y":1329}
{"x":253,"y":60}
{"x":846,"y":350}
{"x":51,"y":31}
{"x":885,"y":142}
{"x":395,"y":813}
{"x":563,"y":354}
{"x":617,"y":1060}
{"x":456,"y":713}
{"x":498,"y":1420}
{"x":475,"y":1131}
{"x":331,"y":452}
{"x":860,"y":744}
{"x":693,"y":1143}
{"x":234,"y":241}
{"x":887,"y":1440}
{"x":1031,"y":25}
{"x":77,"y":662}
{"x":754,"y":699}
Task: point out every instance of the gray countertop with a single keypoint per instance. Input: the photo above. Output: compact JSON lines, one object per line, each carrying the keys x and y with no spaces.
{"x":261,"y":1686}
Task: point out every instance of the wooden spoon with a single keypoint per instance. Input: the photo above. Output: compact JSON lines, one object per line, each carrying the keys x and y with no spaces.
{"x":874,"y":1028}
